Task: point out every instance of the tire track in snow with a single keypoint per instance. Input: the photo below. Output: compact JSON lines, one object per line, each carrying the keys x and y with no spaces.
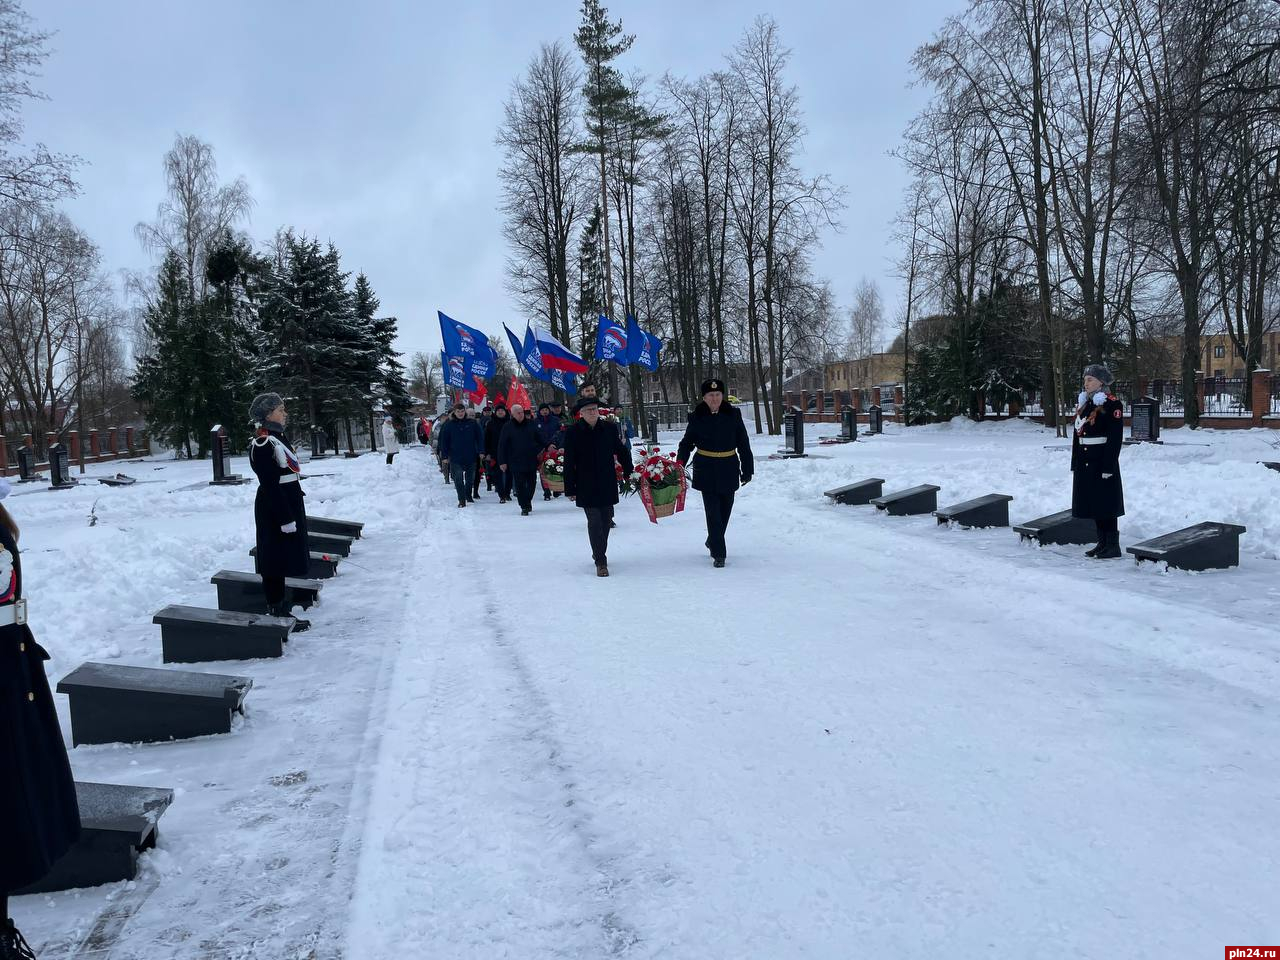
{"x":478,"y":842}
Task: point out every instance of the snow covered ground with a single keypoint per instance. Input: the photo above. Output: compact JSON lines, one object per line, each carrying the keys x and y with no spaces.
{"x":867,"y":736}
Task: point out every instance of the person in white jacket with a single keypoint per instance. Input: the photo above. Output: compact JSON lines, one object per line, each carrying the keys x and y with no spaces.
{"x":390,"y":442}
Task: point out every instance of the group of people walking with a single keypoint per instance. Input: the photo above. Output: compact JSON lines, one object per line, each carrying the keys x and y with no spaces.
{"x":506,"y":446}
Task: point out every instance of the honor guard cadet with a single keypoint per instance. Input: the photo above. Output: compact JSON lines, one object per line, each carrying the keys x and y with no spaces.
{"x":278,"y":511}
{"x":39,"y":815}
{"x":1096,"y":491}
{"x":717,"y":439}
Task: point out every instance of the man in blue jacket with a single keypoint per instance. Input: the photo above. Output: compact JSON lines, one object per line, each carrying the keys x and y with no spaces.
{"x":461,"y":445}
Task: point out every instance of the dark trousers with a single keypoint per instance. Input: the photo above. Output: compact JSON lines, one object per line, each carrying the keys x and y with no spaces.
{"x":525,"y":481}
{"x":390,"y":457}
{"x":504,"y":481}
{"x":1106,"y":525}
{"x":464,"y":477}
{"x":274,"y":589}
{"x":718,"y":507}
{"x":598,"y":519}
{"x":478,"y":472}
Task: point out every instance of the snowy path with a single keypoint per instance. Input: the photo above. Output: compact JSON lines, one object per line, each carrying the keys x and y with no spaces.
{"x":931,"y":753}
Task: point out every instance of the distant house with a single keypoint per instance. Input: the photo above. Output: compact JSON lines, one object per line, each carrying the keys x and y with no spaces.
{"x":803,"y":380}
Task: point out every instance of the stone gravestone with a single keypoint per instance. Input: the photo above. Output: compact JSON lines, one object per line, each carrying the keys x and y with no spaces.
{"x":1145,"y":427}
{"x":793,"y":433}
{"x":849,"y":424}
{"x":318,"y":441}
{"x":653,"y":428}
{"x":60,"y":468}
{"x":27,"y":465}
{"x":875,"y":419}
{"x":220,"y":451}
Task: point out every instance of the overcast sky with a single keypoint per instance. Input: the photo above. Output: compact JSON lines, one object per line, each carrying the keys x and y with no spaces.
{"x":371,"y":124}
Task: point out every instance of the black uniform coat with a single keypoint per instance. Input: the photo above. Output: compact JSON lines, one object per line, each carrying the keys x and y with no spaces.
{"x":39,"y":817}
{"x":493,"y":434}
{"x":519,"y":446}
{"x":589,"y":473}
{"x":722,"y":432}
{"x":279,"y":502}
{"x":1095,"y":452}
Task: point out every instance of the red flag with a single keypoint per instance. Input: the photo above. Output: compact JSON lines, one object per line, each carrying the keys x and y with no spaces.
{"x":516,"y":393}
{"x":477,"y":395}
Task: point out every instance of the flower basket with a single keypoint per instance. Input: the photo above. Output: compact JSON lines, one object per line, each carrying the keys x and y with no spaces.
{"x":551,"y":467}
{"x":553,"y":481}
{"x":660,"y":481}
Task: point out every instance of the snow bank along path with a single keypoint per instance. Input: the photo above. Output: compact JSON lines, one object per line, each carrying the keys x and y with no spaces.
{"x":867,"y":736}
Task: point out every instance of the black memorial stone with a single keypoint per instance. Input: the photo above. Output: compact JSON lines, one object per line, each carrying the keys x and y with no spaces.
{"x":653,"y":428}
{"x":1145,"y":425}
{"x":319,"y":442}
{"x":321,"y":566}
{"x":117,"y":823}
{"x":909,"y":502}
{"x":27,"y":465}
{"x":343,"y":528}
{"x":113,"y":703}
{"x":1203,"y":546}
{"x":242,"y":592}
{"x":1058,"y":528}
{"x":200,"y":635}
{"x":60,"y":468}
{"x":793,"y":434}
{"x":220,"y":452}
{"x":875,"y":419}
{"x":331,"y":543}
{"x":989,"y":511}
{"x":857,"y":494}
{"x":848,"y":424}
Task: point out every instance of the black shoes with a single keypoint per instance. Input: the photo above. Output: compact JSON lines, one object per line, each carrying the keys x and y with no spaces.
{"x":602,"y":570}
{"x":461,"y":504}
{"x":1109,"y":548}
{"x":13,"y":946}
{"x":546,"y":494}
{"x":717,"y":562}
{"x":525,"y":513}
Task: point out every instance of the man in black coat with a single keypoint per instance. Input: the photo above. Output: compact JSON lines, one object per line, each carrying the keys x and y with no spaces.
{"x":461,"y":444}
{"x":278,"y":513}
{"x":718,"y":437}
{"x":1096,"y":491}
{"x":492,"y":434}
{"x":591,"y":476}
{"x":518,"y":450}
{"x":39,"y":815}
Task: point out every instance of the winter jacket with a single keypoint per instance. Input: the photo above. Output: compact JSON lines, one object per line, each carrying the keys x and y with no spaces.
{"x":1096,"y":490}
{"x":720,"y":448}
{"x":39,"y":816}
{"x":550,"y":430}
{"x":493,"y":433}
{"x":519,"y":447}
{"x":589,"y":471}
{"x":390,"y":442}
{"x":278,"y":503}
{"x":461,"y":441}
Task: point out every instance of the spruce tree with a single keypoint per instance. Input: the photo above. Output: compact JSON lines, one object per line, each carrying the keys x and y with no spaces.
{"x":382,"y":332}
{"x":166,"y":379}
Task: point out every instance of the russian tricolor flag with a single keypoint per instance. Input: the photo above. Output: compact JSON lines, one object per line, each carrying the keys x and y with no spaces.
{"x":555,"y":355}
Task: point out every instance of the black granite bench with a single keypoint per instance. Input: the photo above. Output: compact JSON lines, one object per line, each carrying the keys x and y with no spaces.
{"x":1058,"y":528}
{"x":117,"y":823}
{"x":199,"y":635}
{"x":909,"y":502}
{"x":322,"y":566}
{"x":989,"y":511}
{"x":1204,"y":546}
{"x":331,"y":543}
{"x":343,"y":528}
{"x":1270,"y":464}
{"x":112,"y":703}
{"x":242,"y":591}
{"x":856,"y":494}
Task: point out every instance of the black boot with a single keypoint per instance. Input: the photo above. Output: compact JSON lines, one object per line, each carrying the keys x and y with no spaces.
{"x":284,"y":609}
{"x":1110,"y":547}
{"x":13,"y":946}
{"x":1093,"y":551}
{"x":546,"y":494}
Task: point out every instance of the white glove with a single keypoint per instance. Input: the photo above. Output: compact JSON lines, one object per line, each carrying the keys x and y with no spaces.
{"x":1107,"y":476}
{"x":1099,"y":398}
{"x":1083,"y":397}
{"x":290,"y":527}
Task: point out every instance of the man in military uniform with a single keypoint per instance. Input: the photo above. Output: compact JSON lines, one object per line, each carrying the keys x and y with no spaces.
{"x":717,"y":439}
{"x":1096,"y":491}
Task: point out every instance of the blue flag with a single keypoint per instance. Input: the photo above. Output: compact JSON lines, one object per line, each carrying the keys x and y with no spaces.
{"x":568,"y":382}
{"x":611,"y":342}
{"x":454,"y":370}
{"x":642,"y":347}
{"x":468,"y":343}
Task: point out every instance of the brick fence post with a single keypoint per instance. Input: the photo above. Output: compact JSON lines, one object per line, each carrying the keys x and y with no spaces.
{"x":111,"y":440}
{"x":1260,"y":395}
{"x":73,"y":445}
{"x":128,"y":440}
{"x":95,"y":444}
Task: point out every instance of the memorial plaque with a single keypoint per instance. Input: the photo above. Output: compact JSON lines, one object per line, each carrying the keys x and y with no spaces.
{"x":220,"y":452}
{"x":60,"y":467}
{"x":318,"y":444}
{"x":793,"y":433}
{"x":653,"y":428}
{"x":1146,"y":421}
{"x":27,"y":465}
{"x":849,"y":424}
{"x":875,"y":419}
